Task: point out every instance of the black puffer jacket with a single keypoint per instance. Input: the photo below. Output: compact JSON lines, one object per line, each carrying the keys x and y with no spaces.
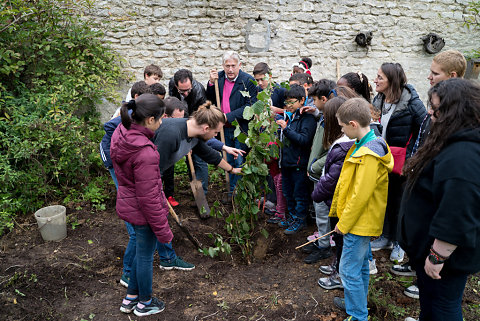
{"x":406,"y":119}
{"x":195,"y":98}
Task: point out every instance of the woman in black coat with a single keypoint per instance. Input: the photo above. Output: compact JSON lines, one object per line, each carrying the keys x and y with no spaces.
{"x":402,"y":115}
{"x":439,"y":224}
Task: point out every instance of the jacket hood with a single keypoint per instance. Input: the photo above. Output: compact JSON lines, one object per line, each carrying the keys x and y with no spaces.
{"x":377,"y":148}
{"x":129,"y":141}
{"x":468,"y":134}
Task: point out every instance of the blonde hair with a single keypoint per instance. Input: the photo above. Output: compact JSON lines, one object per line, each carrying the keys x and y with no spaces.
{"x":451,"y":60}
{"x":209,"y":114}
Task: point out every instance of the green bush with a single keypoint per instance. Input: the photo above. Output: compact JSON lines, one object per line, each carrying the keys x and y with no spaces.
{"x":54,"y":67}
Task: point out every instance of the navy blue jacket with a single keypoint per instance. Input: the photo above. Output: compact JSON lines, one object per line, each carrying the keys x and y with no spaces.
{"x":109,"y":128}
{"x":237,"y":101}
{"x":297,"y":140}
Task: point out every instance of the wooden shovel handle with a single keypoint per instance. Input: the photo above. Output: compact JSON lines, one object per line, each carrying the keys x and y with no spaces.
{"x":222,"y":134}
{"x":190,"y":164}
{"x":314,"y":240}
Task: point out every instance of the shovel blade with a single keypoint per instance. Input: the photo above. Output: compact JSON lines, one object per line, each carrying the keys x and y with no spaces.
{"x":200,"y":199}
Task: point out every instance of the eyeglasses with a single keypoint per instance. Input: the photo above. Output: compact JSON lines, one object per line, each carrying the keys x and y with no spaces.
{"x":184,"y":91}
{"x":291,"y":102}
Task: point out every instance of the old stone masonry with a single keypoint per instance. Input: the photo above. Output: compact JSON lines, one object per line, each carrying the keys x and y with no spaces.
{"x":193,"y":34}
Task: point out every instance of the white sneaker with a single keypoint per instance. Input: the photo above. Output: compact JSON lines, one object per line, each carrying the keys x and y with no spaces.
{"x":411,"y":319}
{"x":412,"y":292}
{"x":372,"y":267}
{"x":397,"y":254}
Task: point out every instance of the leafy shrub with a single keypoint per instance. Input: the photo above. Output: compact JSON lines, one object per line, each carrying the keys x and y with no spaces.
{"x":54,"y":67}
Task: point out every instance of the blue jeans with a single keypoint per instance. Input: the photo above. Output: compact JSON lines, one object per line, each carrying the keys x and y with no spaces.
{"x":355,"y":274}
{"x":165,"y":250}
{"x":440,"y":300}
{"x":295,"y":190}
{"x":140,"y":282}
{"x":201,"y":171}
{"x":231,"y":141}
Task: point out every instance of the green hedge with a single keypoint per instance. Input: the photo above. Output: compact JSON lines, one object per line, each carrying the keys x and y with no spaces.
{"x":54,"y":67}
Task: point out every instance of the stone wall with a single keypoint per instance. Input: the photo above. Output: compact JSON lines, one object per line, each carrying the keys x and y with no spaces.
{"x":194,"y":34}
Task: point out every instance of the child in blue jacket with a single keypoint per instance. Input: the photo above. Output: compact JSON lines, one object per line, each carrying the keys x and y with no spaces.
{"x":297,"y":131}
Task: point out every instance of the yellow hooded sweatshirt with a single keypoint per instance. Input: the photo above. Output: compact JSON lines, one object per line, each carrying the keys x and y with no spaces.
{"x":360,"y":197}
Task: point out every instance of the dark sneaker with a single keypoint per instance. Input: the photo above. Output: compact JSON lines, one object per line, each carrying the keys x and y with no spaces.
{"x":124,"y":280}
{"x":270,"y":212}
{"x":412,"y":292}
{"x":177,"y":264}
{"x":310,"y":248}
{"x":286,"y":222}
{"x":154,"y":307}
{"x":317,"y":255}
{"x":331,"y":282}
{"x":277,"y":218}
{"x":339,"y":303}
{"x":296,"y":226}
{"x":404,"y":269}
{"x":128,"y":305}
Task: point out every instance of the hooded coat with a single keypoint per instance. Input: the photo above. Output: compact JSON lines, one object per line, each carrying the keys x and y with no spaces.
{"x":360,"y":197}
{"x":140,"y":197}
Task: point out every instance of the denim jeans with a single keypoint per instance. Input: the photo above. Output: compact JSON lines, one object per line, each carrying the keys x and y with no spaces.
{"x":295,"y":190}
{"x":355,"y":274}
{"x":323,"y":224}
{"x":440,"y":300}
{"x":165,"y":250}
{"x":140,"y":282}
{"x":231,"y":141}
{"x":201,"y":171}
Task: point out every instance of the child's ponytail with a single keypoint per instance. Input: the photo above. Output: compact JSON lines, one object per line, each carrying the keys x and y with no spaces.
{"x":126,"y":106}
{"x":146,"y":105}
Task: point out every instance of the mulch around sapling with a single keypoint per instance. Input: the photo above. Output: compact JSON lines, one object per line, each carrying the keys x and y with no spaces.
{"x":77,"y":278}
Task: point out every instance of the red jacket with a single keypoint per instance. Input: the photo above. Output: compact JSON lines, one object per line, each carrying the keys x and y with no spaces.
{"x":140,"y":197}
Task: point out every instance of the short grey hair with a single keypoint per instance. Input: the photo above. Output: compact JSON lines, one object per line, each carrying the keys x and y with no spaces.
{"x":231,"y":55}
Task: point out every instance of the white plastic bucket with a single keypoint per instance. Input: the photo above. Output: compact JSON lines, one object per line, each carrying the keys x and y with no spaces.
{"x":52,"y":222}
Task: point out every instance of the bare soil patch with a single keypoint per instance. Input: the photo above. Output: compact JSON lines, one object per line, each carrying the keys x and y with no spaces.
{"x":77,"y":278}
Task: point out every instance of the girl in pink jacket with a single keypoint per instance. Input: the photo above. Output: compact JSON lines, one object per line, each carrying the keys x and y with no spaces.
{"x":140,"y":197}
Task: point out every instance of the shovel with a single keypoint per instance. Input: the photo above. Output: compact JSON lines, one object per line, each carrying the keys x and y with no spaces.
{"x":222,"y":136}
{"x":183,"y":228}
{"x":198,"y":193}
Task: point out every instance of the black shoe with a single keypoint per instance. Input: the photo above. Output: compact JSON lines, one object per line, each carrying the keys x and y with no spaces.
{"x":317,"y":255}
{"x":339,"y":303}
{"x":310,"y":248}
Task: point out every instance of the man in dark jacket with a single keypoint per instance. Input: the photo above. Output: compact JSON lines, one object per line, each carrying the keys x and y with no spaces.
{"x":191,"y":93}
{"x":232,"y":82}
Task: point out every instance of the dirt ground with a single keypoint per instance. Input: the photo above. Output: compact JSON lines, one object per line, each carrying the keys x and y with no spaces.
{"x":77,"y":278}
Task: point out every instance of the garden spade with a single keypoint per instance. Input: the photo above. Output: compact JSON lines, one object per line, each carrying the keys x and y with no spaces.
{"x":198,"y":193}
{"x":183,"y":228}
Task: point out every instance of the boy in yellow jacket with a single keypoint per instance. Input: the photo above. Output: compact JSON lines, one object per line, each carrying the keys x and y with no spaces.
{"x":359,"y":202}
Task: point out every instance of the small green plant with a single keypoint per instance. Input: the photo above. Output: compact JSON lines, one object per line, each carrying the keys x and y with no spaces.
{"x":220,"y":246}
{"x":261,"y":136}
{"x":90,"y":317}
{"x":223,"y":305}
{"x":274,"y":298}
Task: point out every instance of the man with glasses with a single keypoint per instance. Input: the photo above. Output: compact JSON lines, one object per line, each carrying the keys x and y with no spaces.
{"x":187,"y":90}
{"x":231,"y":82}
